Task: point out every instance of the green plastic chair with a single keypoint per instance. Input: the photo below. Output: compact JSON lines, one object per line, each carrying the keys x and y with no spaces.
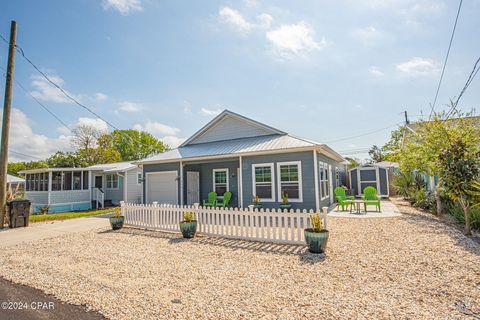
{"x":370,"y":198}
{"x":343,"y":200}
{"x":226,"y":200}
{"x":212,"y":200}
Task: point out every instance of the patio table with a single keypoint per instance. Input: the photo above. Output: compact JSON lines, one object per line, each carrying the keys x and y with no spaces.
{"x":358,"y":204}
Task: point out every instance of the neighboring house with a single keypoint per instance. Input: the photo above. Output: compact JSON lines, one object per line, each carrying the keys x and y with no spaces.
{"x":248,"y":158}
{"x":71,"y":189}
{"x":15,"y":182}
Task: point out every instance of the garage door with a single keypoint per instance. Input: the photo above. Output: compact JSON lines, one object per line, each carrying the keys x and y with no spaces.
{"x":162,"y":187}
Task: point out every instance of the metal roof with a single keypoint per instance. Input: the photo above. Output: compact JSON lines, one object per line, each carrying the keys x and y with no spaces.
{"x":13,"y":179}
{"x":112,"y":167}
{"x":238,"y":147}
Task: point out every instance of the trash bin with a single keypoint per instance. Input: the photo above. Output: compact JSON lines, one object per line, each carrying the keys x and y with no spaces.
{"x":18,"y":213}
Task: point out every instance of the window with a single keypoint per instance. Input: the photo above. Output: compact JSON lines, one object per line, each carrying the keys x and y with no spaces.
{"x":112,"y":181}
{"x":324,"y":180}
{"x":337,"y":177}
{"x":220,"y":181}
{"x":67,"y":180}
{"x":77,"y":180}
{"x":139,"y":178}
{"x":290,"y":180}
{"x":56,"y":181}
{"x":85,"y":180}
{"x":263,"y":181}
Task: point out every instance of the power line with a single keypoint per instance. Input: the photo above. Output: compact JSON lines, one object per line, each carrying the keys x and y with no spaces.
{"x":473,"y":73}
{"x":446,"y":59}
{"x":41,"y":104}
{"x":25,"y":155}
{"x":364,"y":134}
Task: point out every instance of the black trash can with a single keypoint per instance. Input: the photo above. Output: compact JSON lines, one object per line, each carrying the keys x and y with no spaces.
{"x":18,"y":213}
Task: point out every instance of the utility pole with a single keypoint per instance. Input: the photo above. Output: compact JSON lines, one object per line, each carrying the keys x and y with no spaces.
{"x":7,"y":108}
{"x":406,"y":117}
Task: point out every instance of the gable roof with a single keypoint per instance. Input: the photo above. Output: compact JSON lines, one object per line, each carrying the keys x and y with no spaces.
{"x":221,"y":127}
{"x":113,"y":167}
{"x":13,"y":179}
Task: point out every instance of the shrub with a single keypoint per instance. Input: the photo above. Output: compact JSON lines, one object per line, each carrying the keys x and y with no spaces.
{"x":316,"y":222}
{"x":474,"y":213}
{"x":188,"y":216}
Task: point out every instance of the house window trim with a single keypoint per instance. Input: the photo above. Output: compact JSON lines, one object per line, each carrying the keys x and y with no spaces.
{"x":227,"y":181}
{"x":272,"y":182}
{"x":325,"y":183}
{"x":106,"y":182}
{"x":139,"y":178}
{"x":300,"y":181}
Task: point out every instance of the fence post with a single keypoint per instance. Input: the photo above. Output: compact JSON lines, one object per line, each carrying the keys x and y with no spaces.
{"x":325,"y":211}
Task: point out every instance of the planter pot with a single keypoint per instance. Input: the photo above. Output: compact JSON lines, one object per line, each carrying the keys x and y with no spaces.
{"x":316,"y":241}
{"x":188,"y":228}
{"x":286,"y":206}
{"x":117,"y":222}
{"x":257,"y":206}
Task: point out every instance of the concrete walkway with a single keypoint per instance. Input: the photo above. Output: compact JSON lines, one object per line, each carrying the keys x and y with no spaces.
{"x":388,"y":209}
{"x":50,"y":229}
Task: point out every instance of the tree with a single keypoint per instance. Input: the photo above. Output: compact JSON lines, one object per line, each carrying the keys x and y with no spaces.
{"x":65,"y":160}
{"x":134,"y":144}
{"x":352,"y":162}
{"x":85,"y":138}
{"x":393,"y":146}
{"x":459,"y":167}
{"x":376,"y":154}
{"x":15,"y":167}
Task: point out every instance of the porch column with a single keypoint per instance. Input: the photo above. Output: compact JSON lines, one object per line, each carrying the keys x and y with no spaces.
{"x":181,"y":183}
{"x":240,"y":183}
{"x":49,"y":186}
{"x":90,"y":185}
{"x":315,"y":172}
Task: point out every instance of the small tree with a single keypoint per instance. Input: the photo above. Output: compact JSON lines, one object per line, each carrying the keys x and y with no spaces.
{"x":459,"y":167}
{"x":376,"y":154}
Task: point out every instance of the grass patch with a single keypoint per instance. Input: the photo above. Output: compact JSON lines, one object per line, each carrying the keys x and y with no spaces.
{"x":67,"y":215}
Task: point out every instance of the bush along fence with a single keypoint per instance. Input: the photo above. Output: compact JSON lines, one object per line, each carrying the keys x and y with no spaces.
{"x":275,"y":225}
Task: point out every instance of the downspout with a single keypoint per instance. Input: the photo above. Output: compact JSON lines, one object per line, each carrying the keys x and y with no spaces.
{"x":315,"y":172}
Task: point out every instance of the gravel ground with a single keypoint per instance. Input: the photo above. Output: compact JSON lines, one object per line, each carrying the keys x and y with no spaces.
{"x":407,"y":267}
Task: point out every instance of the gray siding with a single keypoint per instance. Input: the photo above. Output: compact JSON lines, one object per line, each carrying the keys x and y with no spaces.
{"x":383,"y":181}
{"x":37,"y":197}
{"x":354,"y":181}
{"x":134,"y":189}
{"x":335,"y":165}
{"x":69,"y":196}
{"x":115,"y":195}
{"x":308,"y":185}
{"x":230,"y":128}
{"x":161,"y":167}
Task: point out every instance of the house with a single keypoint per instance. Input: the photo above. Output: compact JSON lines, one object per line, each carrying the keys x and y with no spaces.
{"x":248,"y":158}
{"x":71,"y":189}
{"x":15,"y":182}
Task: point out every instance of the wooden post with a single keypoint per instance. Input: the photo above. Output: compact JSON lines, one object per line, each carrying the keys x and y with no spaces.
{"x":7,"y":107}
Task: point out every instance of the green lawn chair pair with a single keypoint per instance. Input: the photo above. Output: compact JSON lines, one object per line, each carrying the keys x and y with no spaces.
{"x":343,"y":200}
{"x":213,"y":202}
{"x":370,"y":198}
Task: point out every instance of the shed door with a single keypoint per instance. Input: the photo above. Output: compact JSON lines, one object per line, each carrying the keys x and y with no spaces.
{"x":193,"y":187}
{"x":162,"y":187}
{"x":368,"y":178}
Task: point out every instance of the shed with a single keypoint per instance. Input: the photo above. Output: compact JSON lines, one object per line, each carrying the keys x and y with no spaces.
{"x":371,"y":174}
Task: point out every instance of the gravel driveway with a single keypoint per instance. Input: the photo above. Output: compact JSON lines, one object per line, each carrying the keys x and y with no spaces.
{"x":406,"y":267}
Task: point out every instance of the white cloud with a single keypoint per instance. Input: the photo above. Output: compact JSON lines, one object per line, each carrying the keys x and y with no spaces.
{"x":100,"y":96}
{"x":45,"y":91}
{"x":129,"y":106}
{"x":265,"y":20}
{"x":235,"y":19}
{"x":418,"y":67}
{"x":210,"y":112}
{"x":157,"y":128}
{"x":294,"y":39}
{"x":93,"y":122}
{"x":125,"y":7}
{"x":368,"y":35}
{"x":375,"y":71}
{"x":162,"y":131}
{"x":24,"y":140}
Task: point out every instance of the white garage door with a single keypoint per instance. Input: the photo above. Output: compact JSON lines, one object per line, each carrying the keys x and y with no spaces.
{"x":162,"y":187}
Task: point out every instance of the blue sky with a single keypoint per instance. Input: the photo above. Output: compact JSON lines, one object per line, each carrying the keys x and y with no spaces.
{"x":324,"y":70}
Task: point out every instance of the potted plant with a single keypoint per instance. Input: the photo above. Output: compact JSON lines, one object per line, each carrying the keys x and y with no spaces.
{"x":44,"y":210}
{"x":117,"y":220}
{"x":285,"y":204}
{"x":316,"y":237}
{"x":256,"y":203}
{"x":189,"y":225}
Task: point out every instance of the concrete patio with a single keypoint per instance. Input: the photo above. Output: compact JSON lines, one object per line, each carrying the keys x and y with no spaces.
{"x":388,"y":210}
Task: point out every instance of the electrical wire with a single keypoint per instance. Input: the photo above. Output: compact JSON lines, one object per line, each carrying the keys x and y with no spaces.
{"x":446,"y":59}
{"x":25,"y":155}
{"x":364,"y":134}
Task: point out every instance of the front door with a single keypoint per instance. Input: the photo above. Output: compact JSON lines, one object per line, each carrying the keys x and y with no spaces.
{"x":193,"y":187}
{"x":99,"y":182}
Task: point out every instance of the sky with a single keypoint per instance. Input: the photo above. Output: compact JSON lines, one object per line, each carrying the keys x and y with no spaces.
{"x":338,"y":72}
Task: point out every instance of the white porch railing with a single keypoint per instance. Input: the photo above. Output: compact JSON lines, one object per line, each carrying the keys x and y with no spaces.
{"x":99,"y":196}
{"x":260,"y":225}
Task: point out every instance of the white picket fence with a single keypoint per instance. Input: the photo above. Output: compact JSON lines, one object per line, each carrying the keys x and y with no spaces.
{"x":270,"y":225}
